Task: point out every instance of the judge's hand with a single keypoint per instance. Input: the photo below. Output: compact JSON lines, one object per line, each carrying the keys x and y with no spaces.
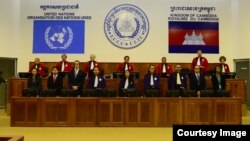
{"x":202,"y":67}
{"x":75,"y":87}
{"x":199,"y":93}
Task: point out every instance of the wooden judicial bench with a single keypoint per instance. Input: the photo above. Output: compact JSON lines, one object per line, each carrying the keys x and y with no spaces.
{"x":11,"y":138}
{"x":125,"y":112}
{"x":117,"y":111}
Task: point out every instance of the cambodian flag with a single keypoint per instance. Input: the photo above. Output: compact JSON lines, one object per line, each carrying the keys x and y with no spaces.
{"x":58,"y":36}
{"x":188,"y":37}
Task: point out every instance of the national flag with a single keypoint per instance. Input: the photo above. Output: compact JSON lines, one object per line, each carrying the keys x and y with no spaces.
{"x":188,"y":37}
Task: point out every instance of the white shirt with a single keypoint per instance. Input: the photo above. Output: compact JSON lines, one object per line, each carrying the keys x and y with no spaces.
{"x":126,"y":67}
{"x":198,"y":61}
{"x":96,"y":81}
{"x":54,"y":76}
{"x":91,"y":65}
{"x":223,"y":68}
{"x":126,"y":84}
{"x":151,"y":80}
{"x":178,"y":81}
{"x":164,"y":68}
{"x":62,"y":67}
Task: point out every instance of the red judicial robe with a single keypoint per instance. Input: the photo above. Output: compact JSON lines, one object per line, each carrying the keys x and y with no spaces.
{"x":226,"y":67}
{"x":203,"y":62}
{"x":159,"y":68}
{"x":40,"y":69}
{"x":121,"y":67}
{"x":67,"y":66}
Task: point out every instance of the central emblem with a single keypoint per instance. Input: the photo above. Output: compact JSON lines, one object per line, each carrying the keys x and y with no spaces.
{"x":58,"y":37}
{"x":126,"y":26}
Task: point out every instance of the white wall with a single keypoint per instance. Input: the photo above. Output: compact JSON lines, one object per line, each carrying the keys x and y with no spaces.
{"x":9,"y":28}
{"x":241,"y":29}
{"x":154,"y":47}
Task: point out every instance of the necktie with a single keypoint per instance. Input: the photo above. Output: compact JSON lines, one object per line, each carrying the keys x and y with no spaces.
{"x":54,"y":78}
{"x":126,"y":84}
{"x":62,"y":68}
{"x":96,"y":81}
{"x":151,"y":80}
{"x":219,"y":81}
{"x":91,"y":65}
{"x":126,"y":67}
{"x":76,"y":72}
{"x":198,"y":61}
{"x":198,"y":78}
{"x":223,"y":68}
{"x":164,"y":68}
{"x":178,"y":81}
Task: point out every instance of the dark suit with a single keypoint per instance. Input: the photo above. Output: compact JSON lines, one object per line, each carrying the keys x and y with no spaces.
{"x":77,"y":80}
{"x":215,"y":82}
{"x":34,"y":85}
{"x":197,"y":83}
{"x":147,"y":79}
{"x":101,"y":82}
{"x":131,"y":84}
{"x":172,"y":81}
{"x":57,"y":84}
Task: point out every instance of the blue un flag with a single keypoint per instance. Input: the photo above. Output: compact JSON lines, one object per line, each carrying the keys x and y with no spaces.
{"x":58,"y":36}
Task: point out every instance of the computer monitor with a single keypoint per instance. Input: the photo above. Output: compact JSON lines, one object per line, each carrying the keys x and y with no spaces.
{"x":109,"y":93}
{"x":50,"y":93}
{"x":173,"y":93}
{"x":136,"y":75}
{"x":95,"y":92}
{"x":24,"y":74}
{"x":30,"y":92}
{"x":207,"y":93}
{"x":222,"y":93}
{"x":70,"y":93}
{"x":152,"y":93}
{"x":229,"y":75}
{"x":128,"y":93}
{"x":117,"y":74}
{"x":63,"y":74}
{"x":192,"y":93}
{"x":178,"y":93}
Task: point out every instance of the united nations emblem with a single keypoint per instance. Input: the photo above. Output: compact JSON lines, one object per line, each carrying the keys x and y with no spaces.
{"x":58,"y":37}
{"x":126,"y":26}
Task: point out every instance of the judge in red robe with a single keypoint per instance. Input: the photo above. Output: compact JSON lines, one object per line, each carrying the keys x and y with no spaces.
{"x":200,"y":61}
{"x":90,"y":65}
{"x":164,"y":70}
{"x":64,"y":66}
{"x":125,"y":66}
{"x":223,"y":66}
{"x":39,"y":67}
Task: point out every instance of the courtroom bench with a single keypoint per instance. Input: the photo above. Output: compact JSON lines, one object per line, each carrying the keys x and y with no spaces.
{"x":126,"y":112}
